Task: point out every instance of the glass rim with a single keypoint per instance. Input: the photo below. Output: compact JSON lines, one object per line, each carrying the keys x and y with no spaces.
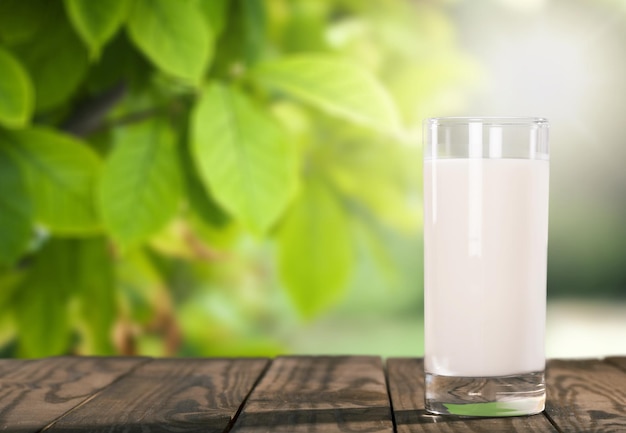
{"x":487,"y":120}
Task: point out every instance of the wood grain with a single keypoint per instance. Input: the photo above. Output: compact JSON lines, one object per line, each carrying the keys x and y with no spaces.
{"x":406,"y":388}
{"x":319,"y":394}
{"x":169,"y":395}
{"x":296,"y":394}
{"x":618,"y":361}
{"x":588,"y":395}
{"x":34,"y":393}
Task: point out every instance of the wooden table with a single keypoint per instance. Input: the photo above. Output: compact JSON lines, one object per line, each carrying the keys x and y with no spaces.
{"x":286,"y":394}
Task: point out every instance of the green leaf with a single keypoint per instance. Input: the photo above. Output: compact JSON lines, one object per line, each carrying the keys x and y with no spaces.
{"x":62,"y":174}
{"x":41,"y":302}
{"x":141,"y":183}
{"x":332,"y":85}
{"x":96,"y":22}
{"x":15,"y":210}
{"x":120,"y":62}
{"x":254,"y":21}
{"x":143,"y":285}
{"x":306,"y":26}
{"x":20,"y":20}
{"x":215,"y":14}
{"x":173,"y":36}
{"x":62,"y":269}
{"x":95,"y":281}
{"x":315,"y":250}
{"x":243,"y":41}
{"x":10,"y":280}
{"x":243,"y":157}
{"x":203,"y":203}
{"x":198,"y":196}
{"x":16,"y":92}
{"x":55,"y":59}
{"x":376,"y":241}
{"x":380,"y":174}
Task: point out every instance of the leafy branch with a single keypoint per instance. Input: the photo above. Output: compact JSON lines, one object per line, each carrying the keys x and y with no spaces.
{"x":89,"y":115}
{"x":204,"y":115}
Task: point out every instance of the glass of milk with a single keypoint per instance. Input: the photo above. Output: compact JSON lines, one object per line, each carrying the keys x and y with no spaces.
{"x":485,"y":259}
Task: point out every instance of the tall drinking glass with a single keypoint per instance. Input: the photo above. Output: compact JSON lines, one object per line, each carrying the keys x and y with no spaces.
{"x":485,"y":259}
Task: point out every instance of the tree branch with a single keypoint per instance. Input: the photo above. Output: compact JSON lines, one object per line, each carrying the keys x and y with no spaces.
{"x":135,"y":117}
{"x":89,"y":114}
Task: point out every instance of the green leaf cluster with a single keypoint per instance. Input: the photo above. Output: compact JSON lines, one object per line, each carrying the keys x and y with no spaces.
{"x":144,"y":144}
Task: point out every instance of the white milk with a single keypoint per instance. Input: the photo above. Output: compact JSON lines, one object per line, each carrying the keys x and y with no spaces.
{"x":486,"y":236}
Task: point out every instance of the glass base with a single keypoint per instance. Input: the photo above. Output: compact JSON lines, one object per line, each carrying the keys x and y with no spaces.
{"x":520,"y":394}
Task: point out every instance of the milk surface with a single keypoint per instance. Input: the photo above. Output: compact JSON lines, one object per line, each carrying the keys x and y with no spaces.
{"x":485,"y":257}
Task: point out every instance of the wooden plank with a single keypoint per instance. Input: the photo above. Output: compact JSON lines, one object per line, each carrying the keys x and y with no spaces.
{"x":406,"y":388}
{"x":618,"y":361}
{"x":36,"y":392}
{"x":181,"y":395}
{"x":586,"y":395}
{"x":8,"y":365}
{"x":319,"y":394}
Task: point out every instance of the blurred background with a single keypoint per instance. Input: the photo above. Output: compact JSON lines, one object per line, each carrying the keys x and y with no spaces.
{"x":328,"y":259}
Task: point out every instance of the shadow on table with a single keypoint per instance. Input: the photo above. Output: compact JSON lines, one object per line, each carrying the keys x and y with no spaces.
{"x":420,"y":416}
{"x":340,"y":416}
{"x":279,"y":420}
{"x":181,"y":423}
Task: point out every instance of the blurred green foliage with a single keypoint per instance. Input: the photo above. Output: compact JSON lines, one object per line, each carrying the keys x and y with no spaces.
{"x":166,"y":165}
